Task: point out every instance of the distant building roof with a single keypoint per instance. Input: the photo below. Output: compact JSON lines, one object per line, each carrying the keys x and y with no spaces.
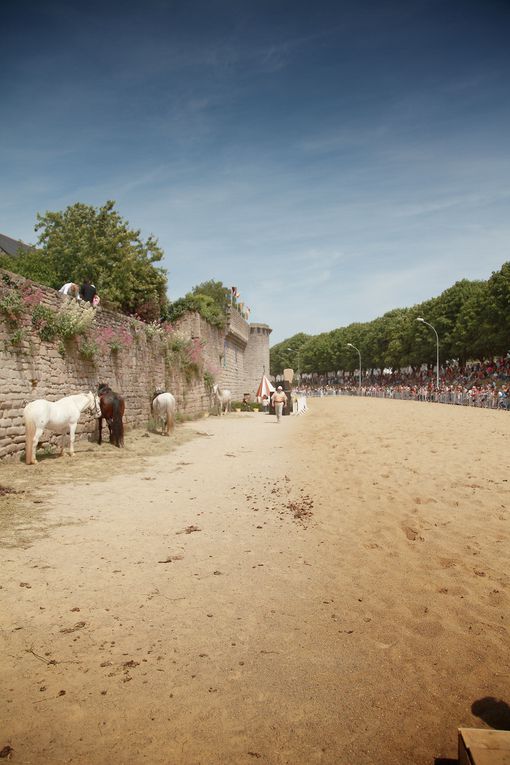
{"x":12,"y":246}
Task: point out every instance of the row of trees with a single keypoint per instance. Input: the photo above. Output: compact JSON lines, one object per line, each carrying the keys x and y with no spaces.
{"x":85,"y":242}
{"x":472,"y":319}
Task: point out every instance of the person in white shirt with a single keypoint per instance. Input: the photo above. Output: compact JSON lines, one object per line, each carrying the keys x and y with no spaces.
{"x":279,"y":400}
{"x":71,"y":289}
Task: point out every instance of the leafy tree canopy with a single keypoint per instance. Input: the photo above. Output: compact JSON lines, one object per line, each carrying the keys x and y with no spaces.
{"x":210,"y":299}
{"x":287,"y":355}
{"x":97,"y":243}
{"x":216,"y":291}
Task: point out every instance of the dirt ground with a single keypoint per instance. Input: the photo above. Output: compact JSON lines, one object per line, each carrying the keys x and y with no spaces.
{"x":333,"y":589}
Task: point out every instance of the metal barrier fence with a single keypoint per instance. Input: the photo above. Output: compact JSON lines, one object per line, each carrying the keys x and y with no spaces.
{"x":480,"y":399}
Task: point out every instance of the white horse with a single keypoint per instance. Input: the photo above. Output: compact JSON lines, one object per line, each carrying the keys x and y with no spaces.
{"x":58,"y":416}
{"x":164,"y":408}
{"x":223,"y":399}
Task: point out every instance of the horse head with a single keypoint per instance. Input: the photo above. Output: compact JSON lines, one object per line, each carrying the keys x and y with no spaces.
{"x":93,"y":404}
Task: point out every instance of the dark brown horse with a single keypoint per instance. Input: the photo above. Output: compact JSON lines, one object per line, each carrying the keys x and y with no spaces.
{"x":112,"y":409}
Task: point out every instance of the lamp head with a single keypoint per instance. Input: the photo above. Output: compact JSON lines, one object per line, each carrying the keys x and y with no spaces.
{"x":350,"y":345}
{"x":418,"y":318}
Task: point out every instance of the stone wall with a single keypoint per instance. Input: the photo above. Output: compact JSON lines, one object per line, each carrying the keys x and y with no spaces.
{"x":133,"y":358}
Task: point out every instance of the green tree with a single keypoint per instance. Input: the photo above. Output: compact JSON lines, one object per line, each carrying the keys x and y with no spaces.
{"x":32,"y":265}
{"x":317,"y":353}
{"x":210,"y":299}
{"x":97,"y":243}
{"x":288,"y":354}
{"x":497,"y":309}
{"x":216,"y":291}
{"x":444,"y":314}
{"x":213,"y":301}
{"x":473,"y":334}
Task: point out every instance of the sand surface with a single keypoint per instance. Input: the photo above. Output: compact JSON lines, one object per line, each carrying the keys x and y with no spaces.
{"x":333,"y":589}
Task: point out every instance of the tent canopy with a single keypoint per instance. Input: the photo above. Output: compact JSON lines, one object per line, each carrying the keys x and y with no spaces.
{"x":265,"y":388}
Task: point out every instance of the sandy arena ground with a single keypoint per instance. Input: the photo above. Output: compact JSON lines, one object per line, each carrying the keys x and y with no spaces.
{"x":333,"y":589}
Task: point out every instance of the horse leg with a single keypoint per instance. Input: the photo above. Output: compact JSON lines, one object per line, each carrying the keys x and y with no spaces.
{"x":30,"y":431}
{"x":35,"y":441}
{"x":100,"y":440}
{"x":120,"y":424}
{"x":115,"y":422}
{"x":72,"y":433}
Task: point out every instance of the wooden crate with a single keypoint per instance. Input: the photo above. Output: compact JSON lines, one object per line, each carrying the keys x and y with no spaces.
{"x":478,"y":746}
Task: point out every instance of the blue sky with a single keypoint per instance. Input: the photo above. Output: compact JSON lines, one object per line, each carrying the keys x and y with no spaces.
{"x":333,"y":160}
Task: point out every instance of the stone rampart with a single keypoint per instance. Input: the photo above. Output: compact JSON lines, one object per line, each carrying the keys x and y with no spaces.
{"x":132,"y":357}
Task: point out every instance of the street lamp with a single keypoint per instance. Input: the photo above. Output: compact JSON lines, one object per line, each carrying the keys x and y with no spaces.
{"x":419,"y":318}
{"x":293,"y":350}
{"x":359,"y":354}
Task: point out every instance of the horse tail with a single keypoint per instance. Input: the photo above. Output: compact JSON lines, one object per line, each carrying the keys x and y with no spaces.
{"x":170,"y":418}
{"x":118,"y":425}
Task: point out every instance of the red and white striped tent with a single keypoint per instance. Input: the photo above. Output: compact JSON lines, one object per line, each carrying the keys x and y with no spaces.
{"x":265,"y":388}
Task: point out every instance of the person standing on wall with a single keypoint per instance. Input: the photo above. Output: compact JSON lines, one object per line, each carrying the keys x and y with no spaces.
{"x":87,"y":291}
{"x":279,"y":400}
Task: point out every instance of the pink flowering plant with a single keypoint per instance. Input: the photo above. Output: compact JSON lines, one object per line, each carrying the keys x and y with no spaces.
{"x":31,"y":296}
{"x":184,"y":354}
{"x":113,"y":340}
{"x":16,"y":305}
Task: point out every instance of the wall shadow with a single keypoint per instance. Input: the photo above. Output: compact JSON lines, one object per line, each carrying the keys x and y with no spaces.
{"x":494,"y":712}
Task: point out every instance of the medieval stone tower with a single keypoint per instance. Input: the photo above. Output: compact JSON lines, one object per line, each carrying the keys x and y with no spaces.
{"x":256,"y":356}
{"x":244,"y":357}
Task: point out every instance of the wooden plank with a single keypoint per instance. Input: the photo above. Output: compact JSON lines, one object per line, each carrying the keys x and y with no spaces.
{"x":480,"y":746}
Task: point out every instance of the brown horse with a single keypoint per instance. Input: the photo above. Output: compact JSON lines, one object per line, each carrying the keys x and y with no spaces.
{"x":112,"y":409}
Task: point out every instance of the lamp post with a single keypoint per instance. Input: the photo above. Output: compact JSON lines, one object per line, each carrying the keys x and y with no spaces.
{"x":359,"y":354}
{"x":293,"y":350}
{"x":419,"y":318}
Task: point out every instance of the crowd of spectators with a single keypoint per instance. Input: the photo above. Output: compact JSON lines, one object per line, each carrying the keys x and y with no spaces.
{"x":481,"y":383}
